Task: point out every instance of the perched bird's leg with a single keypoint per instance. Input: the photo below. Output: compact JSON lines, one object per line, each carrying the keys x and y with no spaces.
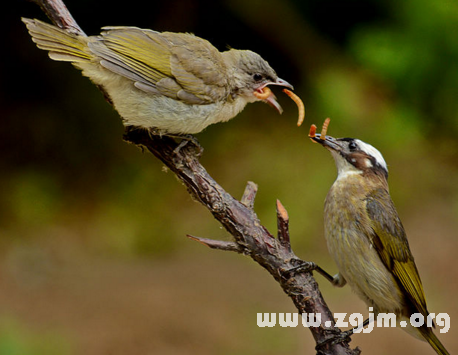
{"x":185,"y":139}
{"x":157,"y":133}
{"x":349,"y":332}
{"x":307,"y":266}
{"x":300,"y":267}
{"x":336,"y":280}
{"x":343,"y":336}
{"x":365,"y":323}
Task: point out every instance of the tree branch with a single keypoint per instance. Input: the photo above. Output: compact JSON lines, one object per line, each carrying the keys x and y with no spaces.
{"x":251,"y":238}
{"x":238,"y":217}
{"x":283,"y":226}
{"x":59,"y":15}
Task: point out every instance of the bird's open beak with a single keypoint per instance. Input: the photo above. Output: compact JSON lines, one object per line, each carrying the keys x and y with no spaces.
{"x":271,"y":99}
{"x":329,"y":142}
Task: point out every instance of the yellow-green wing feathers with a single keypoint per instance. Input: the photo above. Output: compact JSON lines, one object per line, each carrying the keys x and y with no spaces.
{"x":131,"y":46}
{"x":61,"y":45}
{"x":163,"y":63}
{"x":390,"y":241}
{"x":178,"y":65}
{"x":407,"y":274}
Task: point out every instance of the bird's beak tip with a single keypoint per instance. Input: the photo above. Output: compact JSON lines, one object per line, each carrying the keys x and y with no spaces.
{"x":328,"y":142}
{"x":317,"y":139}
{"x":284,"y":83}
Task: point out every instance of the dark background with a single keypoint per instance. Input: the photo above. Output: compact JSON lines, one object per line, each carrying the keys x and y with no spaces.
{"x":93,"y":253}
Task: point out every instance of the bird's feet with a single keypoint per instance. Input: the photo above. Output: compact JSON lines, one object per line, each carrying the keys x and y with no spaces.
{"x":185,"y":140}
{"x":299,"y":267}
{"x":344,"y":336}
{"x":308,"y":266}
{"x":341,"y":337}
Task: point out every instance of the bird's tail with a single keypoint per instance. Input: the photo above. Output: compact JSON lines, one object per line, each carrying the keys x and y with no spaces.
{"x":62,"y":46}
{"x":434,"y":342}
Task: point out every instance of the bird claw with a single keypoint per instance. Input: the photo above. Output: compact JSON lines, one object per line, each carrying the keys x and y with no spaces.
{"x":341,"y":337}
{"x":300,"y":267}
{"x":185,"y":139}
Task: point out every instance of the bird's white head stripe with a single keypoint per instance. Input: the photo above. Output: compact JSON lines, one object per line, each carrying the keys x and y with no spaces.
{"x":370,"y":150}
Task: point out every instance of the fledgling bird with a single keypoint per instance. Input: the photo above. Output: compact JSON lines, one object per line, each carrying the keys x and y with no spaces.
{"x":366,"y":238}
{"x":173,"y":83}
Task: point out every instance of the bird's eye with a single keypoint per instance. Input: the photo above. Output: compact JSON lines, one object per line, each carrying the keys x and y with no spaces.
{"x":352,"y":145}
{"x":257,"y":77}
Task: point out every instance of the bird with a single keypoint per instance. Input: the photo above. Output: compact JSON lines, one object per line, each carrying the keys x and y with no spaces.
{"x":366,"y":238}
{"x":169,"y":83}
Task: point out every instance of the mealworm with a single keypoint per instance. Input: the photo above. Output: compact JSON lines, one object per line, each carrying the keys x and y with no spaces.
{"x":266,"y":92}
{"x":312,"y":133}
{"x":325,"y":128}
{"x":299,"y":103}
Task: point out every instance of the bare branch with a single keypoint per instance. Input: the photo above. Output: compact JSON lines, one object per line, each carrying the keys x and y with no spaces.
{"x":59,"y":15}
{"x":251,"y":237}
{"x":218,"y":244}
{"x":283,"y":226}
{"x":249,"y":195}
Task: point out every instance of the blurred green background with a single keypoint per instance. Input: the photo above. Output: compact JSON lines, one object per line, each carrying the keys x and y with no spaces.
{"x":93,"y":253}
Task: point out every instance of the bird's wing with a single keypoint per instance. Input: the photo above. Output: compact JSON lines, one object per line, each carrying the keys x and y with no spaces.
{"x":180,"y":66}
{"x":390,"y":241}
{"x":198,"y":66}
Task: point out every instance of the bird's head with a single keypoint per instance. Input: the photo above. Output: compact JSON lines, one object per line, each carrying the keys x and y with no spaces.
{"x":353,"y":156}
{"x":251,"y":75}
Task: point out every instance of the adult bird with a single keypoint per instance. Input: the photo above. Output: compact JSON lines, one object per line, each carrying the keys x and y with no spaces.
{"x":367,"y":240}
